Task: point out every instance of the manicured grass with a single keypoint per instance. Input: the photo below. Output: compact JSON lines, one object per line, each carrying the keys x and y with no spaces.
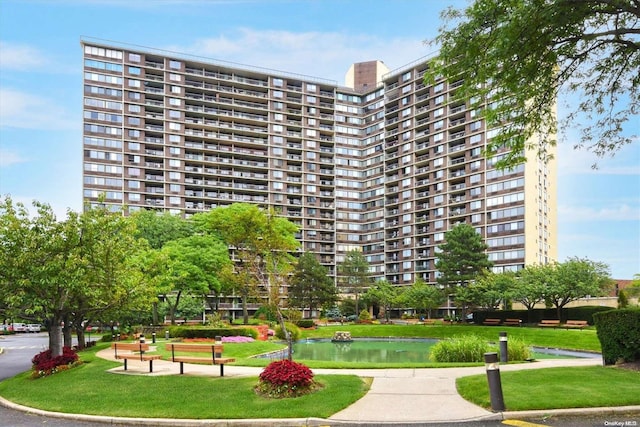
{"x":557,"y":388}
{"x":90,"y":389}
{"x":554,"y":338}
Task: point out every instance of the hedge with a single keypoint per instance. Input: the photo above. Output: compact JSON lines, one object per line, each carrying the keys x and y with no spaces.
{"x":205,"y":332}
{"x":619,"y":335}
{"x":574,"y":313}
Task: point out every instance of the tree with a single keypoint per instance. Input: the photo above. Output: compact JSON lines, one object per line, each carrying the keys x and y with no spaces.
{"x":518,"y":55}
{"x":491,"y":289}
{"x":159,"y":228}
{"x":310,"y":285}
{"x":195,"y":266}
{"x":384,"y":294}
{"x":423,"y":296}
{"x":354,"y":274}
{"x":574,"y":279}
{"x":530,"y":286}
{"x":462,"y":258}
{"x":261,"y":242}
{"x":67,"y":271}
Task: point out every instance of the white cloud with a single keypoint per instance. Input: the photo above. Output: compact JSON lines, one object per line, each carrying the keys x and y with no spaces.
{"x":579,"y":162}
{"x":321,"y":54}
{"x":9,"y":158}
{"x":26,"y":111}
{"x":20,"y":57}
{"x":622,"y":212}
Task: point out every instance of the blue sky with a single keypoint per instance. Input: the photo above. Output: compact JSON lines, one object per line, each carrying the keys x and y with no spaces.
{"x":41,"y":91}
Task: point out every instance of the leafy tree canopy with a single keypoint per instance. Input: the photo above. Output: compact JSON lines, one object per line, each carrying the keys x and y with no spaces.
{"x":523,"y":53}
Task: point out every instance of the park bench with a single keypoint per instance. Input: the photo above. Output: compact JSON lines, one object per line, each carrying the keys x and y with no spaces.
{"x":134,"y":351}
{"x":576,"y":324}
{"x":513,"y":322}
{"x":214,"y":358}
{"x":492,"y":322}
{"x":549,"y":323}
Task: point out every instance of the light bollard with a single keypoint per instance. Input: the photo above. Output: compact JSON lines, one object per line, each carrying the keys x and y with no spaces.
{"x":153,"y":337}
{"x":504,"y":354}
{"x":493,"y":378}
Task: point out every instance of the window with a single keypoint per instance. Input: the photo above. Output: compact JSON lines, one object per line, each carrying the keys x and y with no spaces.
{"x":134,"y":71}
{"x":134,"y":57}
{"x":175,"y":65}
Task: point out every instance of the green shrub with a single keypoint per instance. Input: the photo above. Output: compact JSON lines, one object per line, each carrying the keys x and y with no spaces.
{"x":364,"y":315}
{"x":464,"y":348}
{"x":517,"y":349}
{"x":619,"y":335}
{"x":294,"y":331}
{"x":209,"y":332}
{"x":305,"y":323}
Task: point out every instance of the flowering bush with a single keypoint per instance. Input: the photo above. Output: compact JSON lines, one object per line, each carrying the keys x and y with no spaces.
{"x":285,"y":378}
{"x":44,"y":364}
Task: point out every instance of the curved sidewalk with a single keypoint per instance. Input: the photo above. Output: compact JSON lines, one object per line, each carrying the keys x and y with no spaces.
{"x":397,"y":396}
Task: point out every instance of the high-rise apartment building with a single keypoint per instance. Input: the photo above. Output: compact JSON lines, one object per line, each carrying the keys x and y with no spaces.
{"x":384,"y":164}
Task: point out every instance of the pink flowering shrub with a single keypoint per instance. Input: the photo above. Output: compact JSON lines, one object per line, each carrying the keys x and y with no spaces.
{"x":285,"y":378}
{"x":237,"y":338}
{"x":44,"y":364}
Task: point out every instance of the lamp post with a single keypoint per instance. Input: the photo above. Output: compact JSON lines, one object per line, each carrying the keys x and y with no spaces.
{"x":493,"y":378}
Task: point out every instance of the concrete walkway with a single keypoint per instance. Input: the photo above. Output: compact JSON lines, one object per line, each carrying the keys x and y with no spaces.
{"x":397,"y":396}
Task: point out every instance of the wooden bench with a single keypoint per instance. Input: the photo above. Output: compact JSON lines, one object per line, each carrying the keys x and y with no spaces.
{"x":214,"y":350}
{"x":492,"y":322}
{"x":576,"y":324}
{"x":134,"y":351}
{"x":549,"y":323}
{"x":513,"y":322}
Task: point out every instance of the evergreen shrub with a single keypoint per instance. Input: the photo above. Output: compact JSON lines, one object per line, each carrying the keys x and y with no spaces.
{"x":619,"y":335}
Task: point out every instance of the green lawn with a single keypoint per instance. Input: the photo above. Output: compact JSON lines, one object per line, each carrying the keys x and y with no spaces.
{"x":90,"y":389}
{"x":557,"y":388}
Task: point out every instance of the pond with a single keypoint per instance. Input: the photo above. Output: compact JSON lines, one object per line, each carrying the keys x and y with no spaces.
{"x":387,"y":351}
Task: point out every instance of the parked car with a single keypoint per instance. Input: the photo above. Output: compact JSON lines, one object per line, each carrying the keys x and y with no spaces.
{"x":34,"y":327}
{"x":19,"y":327}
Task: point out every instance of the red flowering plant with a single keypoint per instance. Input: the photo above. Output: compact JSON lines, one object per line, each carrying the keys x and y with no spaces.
{"x":44,"y":364}
{"x":285,"y":378}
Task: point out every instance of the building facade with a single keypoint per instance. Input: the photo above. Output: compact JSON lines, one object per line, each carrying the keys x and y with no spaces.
{"x":385,"y":165}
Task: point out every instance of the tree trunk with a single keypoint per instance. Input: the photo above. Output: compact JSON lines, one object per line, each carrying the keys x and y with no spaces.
{"x":245,"y":310}
{"x":155,"y":317}
{"x":67,"y":336}
{"x":81,"y":340}
{"x":55,"y":338}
